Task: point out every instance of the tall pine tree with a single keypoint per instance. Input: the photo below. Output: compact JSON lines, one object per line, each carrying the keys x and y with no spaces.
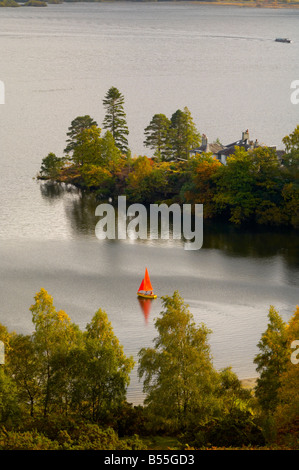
{"x":157,"y":136}
{"x":115,"y":118}
{"x":183,"y":134}
{"x":79,"y":124}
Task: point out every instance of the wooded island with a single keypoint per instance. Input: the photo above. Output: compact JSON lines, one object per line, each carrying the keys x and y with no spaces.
{"x":254,"y":184}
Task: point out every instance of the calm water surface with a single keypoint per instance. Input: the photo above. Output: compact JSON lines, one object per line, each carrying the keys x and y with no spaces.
{"x":57,"y":63}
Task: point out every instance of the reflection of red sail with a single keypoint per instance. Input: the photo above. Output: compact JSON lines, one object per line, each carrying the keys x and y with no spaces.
{"x":145,"y":305}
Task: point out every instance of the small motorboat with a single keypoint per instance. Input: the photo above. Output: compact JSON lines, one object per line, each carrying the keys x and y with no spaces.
{"x":145,"y":289}
{"x":283,"y":40}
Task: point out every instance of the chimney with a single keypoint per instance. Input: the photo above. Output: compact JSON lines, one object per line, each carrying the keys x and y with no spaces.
{"x":245,"y":136}
{"x":204,"y":142}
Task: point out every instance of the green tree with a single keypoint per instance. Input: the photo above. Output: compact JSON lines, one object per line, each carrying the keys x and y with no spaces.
{"x":232,"y":393}
{"x":156,"y":186}
{"x":268,"y":184}
{"x":290,"y":170}
{"x":110,"y":154}
{"x":51,"y":165}
{"x":53,"y":338}
{"x":157,"y":136}
{"x":200,"y":187}
{"x":291,"y":141}
{"x":79,"y":124}
{"x":94,"y":150}
{"x":141,"y":168}
{"x":287,"y":412}
{"x":179,"y":378}
{"x":235,"y":182}
{"x":5,"y":337}
{"x":22,"y":365}
{"x":101,"y":370}
{"x":115,"y":118}
{"x":9,"y":404}
{"x":99,"y":179}
{"x":88,"y":149}
{"x":271,"y":361}
{"x":183,"y":134}
{"x":290,"y":195}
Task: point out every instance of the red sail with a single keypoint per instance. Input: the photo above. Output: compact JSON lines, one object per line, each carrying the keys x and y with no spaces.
{"x":141,"y":285}
{"x":147,"y":282}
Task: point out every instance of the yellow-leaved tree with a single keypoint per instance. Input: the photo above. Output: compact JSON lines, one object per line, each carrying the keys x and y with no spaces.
{"x":53,"y":339}
{"x":287,"y":413}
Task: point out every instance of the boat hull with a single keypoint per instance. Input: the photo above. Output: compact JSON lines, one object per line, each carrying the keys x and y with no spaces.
{"x":283,"y":40}
{"x":147,"y":296}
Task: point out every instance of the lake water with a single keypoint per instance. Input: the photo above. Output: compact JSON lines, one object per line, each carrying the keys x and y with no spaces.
{"x":222,"y":62}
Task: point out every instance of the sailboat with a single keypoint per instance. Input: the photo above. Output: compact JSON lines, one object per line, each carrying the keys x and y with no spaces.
{"x":145,"y":290}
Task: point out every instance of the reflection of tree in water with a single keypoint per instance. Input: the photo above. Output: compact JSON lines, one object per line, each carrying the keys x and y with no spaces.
{"x":260,"y":242}
{"x":52,"y":191}
{"x":79,"y":206}
{"x":81,"y":214}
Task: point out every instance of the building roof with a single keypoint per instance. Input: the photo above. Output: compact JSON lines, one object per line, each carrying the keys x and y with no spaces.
{"x":214,"y":148}
{"x":220,"y":150}
{"x":231,"y":148}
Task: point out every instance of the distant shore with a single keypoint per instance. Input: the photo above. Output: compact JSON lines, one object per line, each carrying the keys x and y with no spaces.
{"x":249,"y":383}
{"x":250,"y":4}
{"x":245,"y":4}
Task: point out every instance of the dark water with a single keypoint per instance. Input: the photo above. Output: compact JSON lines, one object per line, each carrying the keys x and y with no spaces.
{"x":57,"y":63}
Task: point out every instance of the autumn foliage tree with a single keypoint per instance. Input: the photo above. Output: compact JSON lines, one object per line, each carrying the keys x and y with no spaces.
{"x":271,"y":361}
{"x":61,"y":370}
{"x":179,"y":378}
{"x":255,"y":186}
{"x":53,"y":338}
{"x":287,"y":411}
{"x":201,"y":185}
{"x":101,"y":371}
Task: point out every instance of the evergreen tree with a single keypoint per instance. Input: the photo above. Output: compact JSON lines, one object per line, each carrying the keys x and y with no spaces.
{"x":157,"y":136}
{"x":183,"y":134}
{"x":51,"y":165}
{"x":115,"y":118}
{"x":78,"y":125}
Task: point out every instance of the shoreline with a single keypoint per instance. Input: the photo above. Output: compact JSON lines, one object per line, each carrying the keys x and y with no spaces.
{"x":249,"y":383}
{"x":137,"y":399}
{"x":249,"y":4}
{"x":241,"y":4}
